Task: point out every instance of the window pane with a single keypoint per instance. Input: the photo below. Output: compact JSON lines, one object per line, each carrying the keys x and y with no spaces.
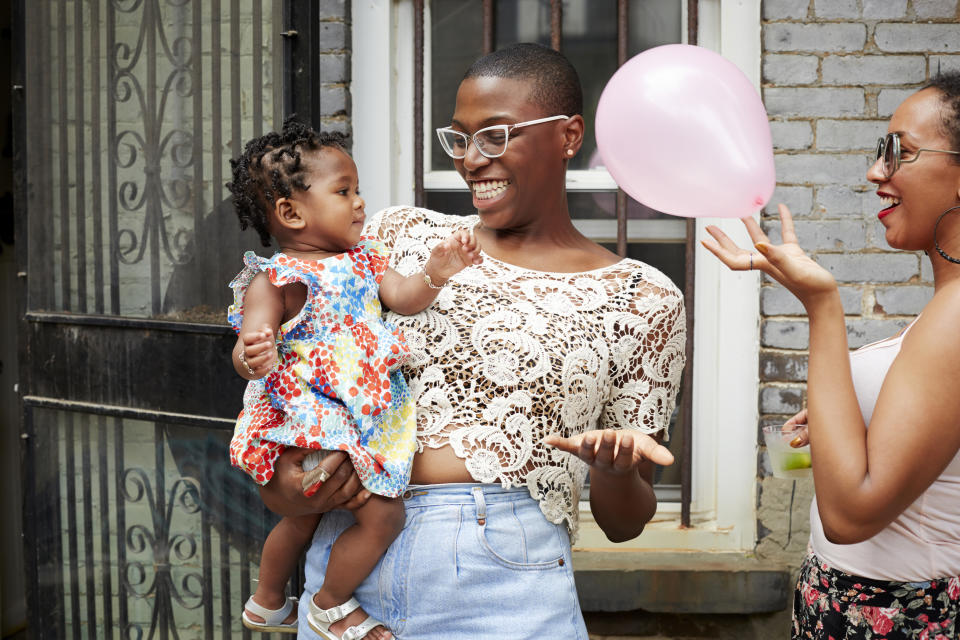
{"x":457,"y":202}
{"x":135,"y":109}
{"x":668,"y":257}
{"x":523,"y":21}
{"x":456,"y":36}
{"x":590,"y":43}
{"x":602,"y":205}
{"x":654,"y":23}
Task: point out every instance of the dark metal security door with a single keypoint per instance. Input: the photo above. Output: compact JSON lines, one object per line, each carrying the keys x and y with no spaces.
{"x":128,"y":112}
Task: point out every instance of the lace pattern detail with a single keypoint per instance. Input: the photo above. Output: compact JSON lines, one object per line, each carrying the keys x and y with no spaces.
{"x":506,"y":356}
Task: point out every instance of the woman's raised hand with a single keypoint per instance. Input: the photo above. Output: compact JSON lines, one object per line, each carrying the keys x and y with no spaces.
{"x":786,"y":263}
{"x":612,"y":450}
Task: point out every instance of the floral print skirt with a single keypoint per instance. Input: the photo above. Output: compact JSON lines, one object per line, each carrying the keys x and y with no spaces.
{"x":829,"y":604}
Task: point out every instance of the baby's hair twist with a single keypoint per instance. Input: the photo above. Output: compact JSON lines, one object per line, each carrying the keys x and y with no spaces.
{"x":271,"y":167}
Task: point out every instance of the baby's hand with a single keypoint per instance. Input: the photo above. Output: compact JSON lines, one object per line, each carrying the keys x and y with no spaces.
{"x":259,"y":352}
{"x":454,"y":254}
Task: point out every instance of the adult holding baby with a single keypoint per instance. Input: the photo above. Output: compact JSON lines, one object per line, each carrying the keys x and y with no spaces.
{"x":553,"y":358}
{"x":883,"y":422}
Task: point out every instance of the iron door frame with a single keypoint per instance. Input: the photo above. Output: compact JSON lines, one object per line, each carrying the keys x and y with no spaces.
{"x":115,"y":366}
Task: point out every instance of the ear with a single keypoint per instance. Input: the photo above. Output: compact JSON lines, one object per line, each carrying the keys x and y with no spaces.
{"x":573,"y":136}
{"x":286,"y":213}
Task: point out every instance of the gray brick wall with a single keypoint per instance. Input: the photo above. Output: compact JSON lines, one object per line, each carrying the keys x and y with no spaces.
{"x":833,"y":71}
{"x":334,"y":62}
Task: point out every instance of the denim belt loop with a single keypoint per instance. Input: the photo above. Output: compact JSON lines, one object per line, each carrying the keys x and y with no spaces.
{"x":481,"y":506}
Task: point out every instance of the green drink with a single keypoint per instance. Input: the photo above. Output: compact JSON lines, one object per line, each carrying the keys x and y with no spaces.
{"x":786,"y":461}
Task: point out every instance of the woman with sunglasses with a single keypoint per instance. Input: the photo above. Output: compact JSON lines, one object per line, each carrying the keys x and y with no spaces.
{"x":551,"y":359}
{"x":883,"y":422}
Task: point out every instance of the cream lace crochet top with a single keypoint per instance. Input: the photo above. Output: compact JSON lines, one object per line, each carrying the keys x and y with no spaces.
{"x":506,"y":356}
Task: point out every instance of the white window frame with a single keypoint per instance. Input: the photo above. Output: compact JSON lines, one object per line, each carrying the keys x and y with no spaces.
{"x":726,"y":327}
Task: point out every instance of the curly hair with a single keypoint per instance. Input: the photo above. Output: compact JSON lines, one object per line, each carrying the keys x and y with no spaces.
{"x":271,"y":167}
{"x":948,"y":84}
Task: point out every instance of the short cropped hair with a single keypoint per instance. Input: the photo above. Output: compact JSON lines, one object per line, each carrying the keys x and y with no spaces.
{"x":556,"y":85}
{"x":948,"y":84}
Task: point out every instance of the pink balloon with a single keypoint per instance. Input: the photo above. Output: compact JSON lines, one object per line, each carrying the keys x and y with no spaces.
{"x":682,"y":130}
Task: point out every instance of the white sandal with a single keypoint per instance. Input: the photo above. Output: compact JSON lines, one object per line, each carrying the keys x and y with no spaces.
{"x":273,"y":619}
{"x":321,"y":619}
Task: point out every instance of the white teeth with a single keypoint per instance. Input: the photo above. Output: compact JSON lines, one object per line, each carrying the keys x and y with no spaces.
{"x":489,"y":189}
{"x":889,"y":202}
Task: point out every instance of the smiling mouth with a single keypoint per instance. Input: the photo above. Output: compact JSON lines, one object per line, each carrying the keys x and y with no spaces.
{"x":489,"y":189}
{"x":889,"y":203}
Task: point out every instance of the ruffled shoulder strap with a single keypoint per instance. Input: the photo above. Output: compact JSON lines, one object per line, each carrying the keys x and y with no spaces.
{"x":375,"y":255}
{"x":280,"y":268}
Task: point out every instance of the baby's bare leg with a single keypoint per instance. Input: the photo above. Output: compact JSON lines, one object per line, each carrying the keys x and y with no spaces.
{"x":278,"y":559}
{"x":354,"y":555}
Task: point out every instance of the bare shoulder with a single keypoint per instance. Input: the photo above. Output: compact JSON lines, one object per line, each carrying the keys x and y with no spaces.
{"x":590,"y":256}
{"x":261,"y":284}
{"x":936,"y":328}
{"x":602,"y":253}
{"x":262,"y":293}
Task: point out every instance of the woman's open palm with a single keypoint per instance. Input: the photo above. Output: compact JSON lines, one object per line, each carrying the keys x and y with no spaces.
{"x":786,"y":263}
{"x":613,"y":451}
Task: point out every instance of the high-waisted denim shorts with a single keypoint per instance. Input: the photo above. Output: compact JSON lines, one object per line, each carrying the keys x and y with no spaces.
{"x":473,"y":561}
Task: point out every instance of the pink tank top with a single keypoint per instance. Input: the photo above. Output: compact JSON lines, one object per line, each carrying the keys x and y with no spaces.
{"x":923,"y":542}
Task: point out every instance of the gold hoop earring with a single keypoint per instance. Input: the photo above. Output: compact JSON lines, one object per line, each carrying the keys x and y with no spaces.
{"x":936,"y":244}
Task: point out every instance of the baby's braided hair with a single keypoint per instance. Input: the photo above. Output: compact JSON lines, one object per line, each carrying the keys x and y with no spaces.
{"x":271,"y":167}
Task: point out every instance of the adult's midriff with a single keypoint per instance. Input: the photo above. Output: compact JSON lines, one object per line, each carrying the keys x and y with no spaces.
{"x":439,"y":466}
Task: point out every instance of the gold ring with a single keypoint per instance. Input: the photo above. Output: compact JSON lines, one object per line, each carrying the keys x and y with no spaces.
{"x":313,"y":478}
{"x":243,"y":361}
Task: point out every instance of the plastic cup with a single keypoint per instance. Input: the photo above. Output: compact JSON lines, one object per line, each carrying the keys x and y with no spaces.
{"x":787,"y":462}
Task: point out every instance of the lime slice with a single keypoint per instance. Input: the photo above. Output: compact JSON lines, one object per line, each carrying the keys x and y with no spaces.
{"x":796,"y":461}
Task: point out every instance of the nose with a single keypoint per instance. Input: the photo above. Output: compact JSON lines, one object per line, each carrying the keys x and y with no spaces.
{"x":875,"y":172}
{"x":359,"y":203}
{"x":473,"y":158}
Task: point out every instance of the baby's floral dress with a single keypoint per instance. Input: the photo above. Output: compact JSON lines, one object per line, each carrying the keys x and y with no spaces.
{"x":832,"y":605}
{"x":336,"y":385}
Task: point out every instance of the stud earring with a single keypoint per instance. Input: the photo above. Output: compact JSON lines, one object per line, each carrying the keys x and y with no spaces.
{"x":569,"y":152}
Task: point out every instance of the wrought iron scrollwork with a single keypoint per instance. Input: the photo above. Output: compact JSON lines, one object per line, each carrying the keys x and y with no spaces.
{"x":135,"y":79}
{"x":153,"y":577}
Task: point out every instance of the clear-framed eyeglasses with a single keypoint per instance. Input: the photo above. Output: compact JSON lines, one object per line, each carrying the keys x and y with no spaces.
{"x":888,"y":148}
{"x":490,"y":141}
